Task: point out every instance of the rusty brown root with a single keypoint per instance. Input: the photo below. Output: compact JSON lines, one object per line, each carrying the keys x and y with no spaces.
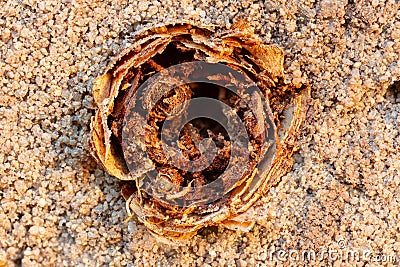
{"x":156,"y":49}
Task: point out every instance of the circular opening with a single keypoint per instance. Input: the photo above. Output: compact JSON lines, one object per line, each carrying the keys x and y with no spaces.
{"x":204,"y":126}
{"x":197,"y":136}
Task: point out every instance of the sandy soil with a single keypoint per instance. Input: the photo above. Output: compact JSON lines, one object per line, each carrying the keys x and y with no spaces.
{"x":58,"y":208}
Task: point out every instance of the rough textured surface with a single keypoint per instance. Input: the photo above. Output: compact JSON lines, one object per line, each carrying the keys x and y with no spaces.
{"x":175,"y":196}
{"x":59,"y":208}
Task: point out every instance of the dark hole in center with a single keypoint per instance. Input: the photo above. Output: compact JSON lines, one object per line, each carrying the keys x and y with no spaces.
{"x":205,"y":127}
{"x":210,"y":128}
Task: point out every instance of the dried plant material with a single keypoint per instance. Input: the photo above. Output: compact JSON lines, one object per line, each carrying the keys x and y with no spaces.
{"x":198,"y":125}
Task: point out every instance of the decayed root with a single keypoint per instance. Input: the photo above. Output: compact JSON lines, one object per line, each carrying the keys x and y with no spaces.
{"x":277,"y":110}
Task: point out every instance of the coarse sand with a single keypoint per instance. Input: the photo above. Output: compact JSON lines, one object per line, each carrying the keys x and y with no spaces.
{"x":341,"y":200}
